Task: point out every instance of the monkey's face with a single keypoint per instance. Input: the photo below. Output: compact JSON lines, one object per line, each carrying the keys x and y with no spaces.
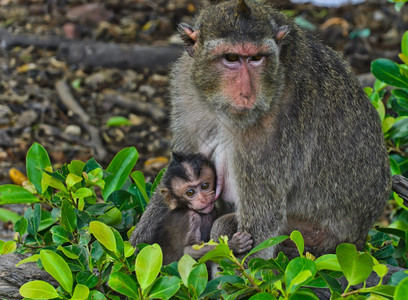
{"x":236,"y":54}
{"x":198,"y":193}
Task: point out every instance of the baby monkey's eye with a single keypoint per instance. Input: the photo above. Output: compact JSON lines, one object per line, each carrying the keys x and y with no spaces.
{"x":231,"y":57}
{"x":205,"y":186}
{"x":190,"y":192}
{"x":256,"y":57}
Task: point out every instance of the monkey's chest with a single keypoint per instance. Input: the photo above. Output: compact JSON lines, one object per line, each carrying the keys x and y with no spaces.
{"x":205,"y":226}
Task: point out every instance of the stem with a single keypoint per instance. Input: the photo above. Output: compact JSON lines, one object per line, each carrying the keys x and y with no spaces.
{"x":397,"y":150}
{"x":242,"y":271}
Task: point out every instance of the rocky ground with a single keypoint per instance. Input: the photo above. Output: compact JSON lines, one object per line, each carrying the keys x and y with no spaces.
{"x":66,"y":104}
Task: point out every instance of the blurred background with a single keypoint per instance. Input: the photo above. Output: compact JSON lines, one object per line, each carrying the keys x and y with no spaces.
{"x":88,"y":78}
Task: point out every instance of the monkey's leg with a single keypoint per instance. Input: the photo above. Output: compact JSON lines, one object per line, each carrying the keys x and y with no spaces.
{"x":155,"y":211}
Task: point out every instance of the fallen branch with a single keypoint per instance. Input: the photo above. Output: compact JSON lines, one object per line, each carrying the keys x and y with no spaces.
{"x":69,"y":101}
{"x":12,"y":277}
{"x":400,"y":186}
{"x":155,"y":112}
{"x":93,"y":54}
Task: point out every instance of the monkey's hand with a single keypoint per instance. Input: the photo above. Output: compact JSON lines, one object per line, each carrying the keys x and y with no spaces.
{"x":241,"y":242}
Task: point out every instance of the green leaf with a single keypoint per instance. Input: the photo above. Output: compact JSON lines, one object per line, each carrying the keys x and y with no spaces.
{"x":68,"y":217}
{"x":220,"y":252}
{"x":266,"y":244}
{"x":111,"y":217}
{"x":401,"y":291}
{"x":76,"y":84}
{"x":213,"y":287}
{"x":32,"y":258}
{"x":380,"y":269}
{"x":389,"y":72}
{"x":262,"y":296}
{"x":148,"y":264}
{"x":87,"y":278}
{"x":68,"y":253}
{"x":120,"y":247}
{"x":382,"y":290}
{"x":81,"y":292}
{"x":397,"y":277}
{"x":165,"y":287}
{"x":38,"y":289}
{"x":400,"y":128}
{"x":83,"y":193}
{"x":157,"y":180}
{"x":395,"y":169}
{"x":118,"y":121}
{"x":139,"y":179}
{"x":103,"y":234}
{"x":303,"y":294}
{"x":56,"y":266}
{"x":119,"y":168}
{"x":379,"y":85}
{"x":21,"y":226}
{"x":185,"y":266}
{"x":332,"y":283}
{"x":96,"y":295}
{"x":59,"y":235}
{"x":72,"y":180}
{"x":7,"y":215}
{"x":11,"y":194}
{"x":36,"y":161}
{"x":9,"y":247}
{"x":198,"y":278}
{"x":299,"y":272}
{"x":76,"y":167}
{"x":297,"y":238}
{"x":356,"y":267}
{"x":124,"y":284}
{"x":128,"y":249}
{"x":327,"y":262}
{"x":404,"y":43}
{"x":46,"y":220}
{"x":33,"y":217}
{"x":387,"y":124}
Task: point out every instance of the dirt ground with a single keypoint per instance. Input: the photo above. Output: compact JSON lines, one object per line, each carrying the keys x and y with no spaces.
{"x":47,"y":96}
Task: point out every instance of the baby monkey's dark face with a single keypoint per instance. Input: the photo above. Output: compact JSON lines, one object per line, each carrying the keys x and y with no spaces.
{"x":197,"y":193}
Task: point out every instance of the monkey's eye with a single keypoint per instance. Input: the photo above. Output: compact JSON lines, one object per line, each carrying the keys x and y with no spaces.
{"x":231,"y":57}
{"x":190,"y":193}
{"x":205,"y":186}
{"x":256,"y":57}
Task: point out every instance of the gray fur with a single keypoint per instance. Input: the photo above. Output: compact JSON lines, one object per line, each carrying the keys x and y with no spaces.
{"x":315,"y":156}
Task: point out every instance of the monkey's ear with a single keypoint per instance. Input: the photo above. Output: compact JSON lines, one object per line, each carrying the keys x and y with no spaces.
{"x":281,"y":34}
{"x":168,"y":199}
{"x":189,"y":36}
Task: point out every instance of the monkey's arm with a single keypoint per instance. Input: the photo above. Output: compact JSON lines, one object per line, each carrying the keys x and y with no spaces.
{"x":147,"y":225}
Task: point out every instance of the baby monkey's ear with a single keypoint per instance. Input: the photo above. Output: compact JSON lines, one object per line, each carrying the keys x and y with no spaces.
{"x":189,"y":36}
{"x":168,"y":198}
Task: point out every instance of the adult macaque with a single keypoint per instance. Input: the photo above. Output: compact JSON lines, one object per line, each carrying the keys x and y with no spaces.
{"x":189,"y":191}
{"x":295,"y":141}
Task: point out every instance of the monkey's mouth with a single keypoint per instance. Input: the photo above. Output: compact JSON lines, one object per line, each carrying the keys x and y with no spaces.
{"x":207,"y":209}
{"x":239,"y":111}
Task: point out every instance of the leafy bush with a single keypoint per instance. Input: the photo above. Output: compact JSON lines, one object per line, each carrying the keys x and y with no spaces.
{"x":81,"y":215}
{"x":390,"y":97}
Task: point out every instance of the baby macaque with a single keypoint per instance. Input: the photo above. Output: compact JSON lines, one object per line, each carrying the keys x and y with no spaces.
{"x":188,"y":188}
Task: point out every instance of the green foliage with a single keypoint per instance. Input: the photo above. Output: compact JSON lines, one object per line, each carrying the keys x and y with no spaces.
{"x":390,"y":97}
{"x":81,"y":215}
{"x":393,"y":107}
{"x":80,"y":239}
{"x":398,"y":4}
